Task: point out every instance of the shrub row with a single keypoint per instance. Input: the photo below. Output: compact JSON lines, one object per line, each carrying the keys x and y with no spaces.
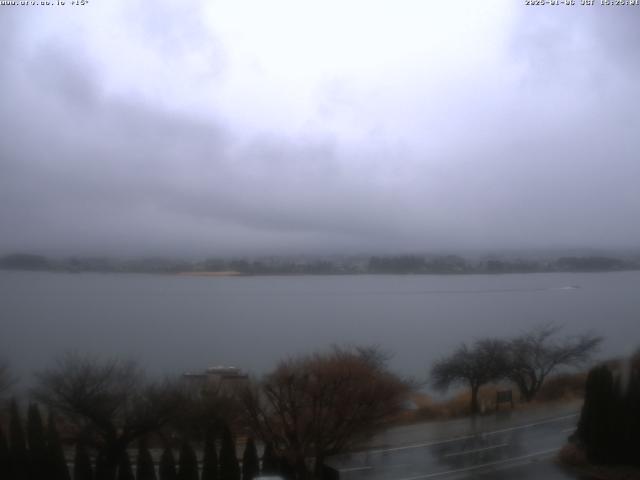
{"x":609,"y":426}
{"x":36,"y":453}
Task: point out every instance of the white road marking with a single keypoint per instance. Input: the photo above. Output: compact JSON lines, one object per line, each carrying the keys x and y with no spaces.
{"x":369,"y":467}
{"x":482,"y":465}
{"x":476,"y":450}
{"x":467,"y":437}
{"x":356,"y":469}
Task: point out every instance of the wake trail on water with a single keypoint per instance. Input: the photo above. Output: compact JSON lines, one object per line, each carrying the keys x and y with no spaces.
{"x":475,"y":291}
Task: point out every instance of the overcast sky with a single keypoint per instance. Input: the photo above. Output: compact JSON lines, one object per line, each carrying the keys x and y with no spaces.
{"x":213,"y":128}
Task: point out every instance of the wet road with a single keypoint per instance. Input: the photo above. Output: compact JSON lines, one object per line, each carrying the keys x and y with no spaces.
{"x":524,"y":452}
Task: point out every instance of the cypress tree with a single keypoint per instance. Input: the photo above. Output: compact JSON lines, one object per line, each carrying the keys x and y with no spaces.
{"x":587,"y":415}
{"x":229,"y":468}
{"x":57,"y":462}
{"x":39,"y":467}
{"x":18,"y":448}
{"x":630,"y":420}
{"x":634,"y":400}
{"x":269,"y":461}
{"x":210,"y":460}
{"x":594,"y":426}
{"x":250,"y":462}
{"x":601,"y":442}
{"x":124,"y":467}
{"x":144,"y":467}
{"x":102,"y":469}
{"x":5,"y":459}
{"x":634,"y":424}
{"x":82,"y":464}
{"x":167,"y":465}
{"x":618,"y":423}
{"x":286,"y":470}
{"x":609,"y":426}
{"x":188,"y":463}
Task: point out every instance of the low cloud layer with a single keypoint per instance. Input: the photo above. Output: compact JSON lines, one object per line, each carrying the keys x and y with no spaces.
{"x":234,"y":130}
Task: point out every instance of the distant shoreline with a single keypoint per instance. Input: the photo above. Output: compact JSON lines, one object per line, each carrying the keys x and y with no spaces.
{"x":356,"y":265}
{"x":227,"y":273}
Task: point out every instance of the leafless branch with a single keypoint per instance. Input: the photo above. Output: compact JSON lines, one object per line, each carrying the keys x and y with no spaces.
{"x":322,"y":404}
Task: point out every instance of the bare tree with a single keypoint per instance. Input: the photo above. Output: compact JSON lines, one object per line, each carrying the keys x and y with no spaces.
{"x":535,"y":354}
{"x":205,"y":407}
{"x":110,"y":399}
{"x":323,"y":404}
{"x":483,"y":362}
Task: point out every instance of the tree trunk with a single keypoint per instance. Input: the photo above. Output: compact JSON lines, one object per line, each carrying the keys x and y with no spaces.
{"x":528,"y":395}
{"x":475,"y":407}
{"x":524,"y":389}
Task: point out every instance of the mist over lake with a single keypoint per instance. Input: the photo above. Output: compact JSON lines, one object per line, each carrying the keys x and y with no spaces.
{"x":173,"y":324}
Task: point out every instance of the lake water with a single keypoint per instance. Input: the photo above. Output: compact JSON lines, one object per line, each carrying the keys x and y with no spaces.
{"x":177,"y":323}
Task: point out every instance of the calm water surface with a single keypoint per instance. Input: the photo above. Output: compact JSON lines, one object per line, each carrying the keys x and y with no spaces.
{"x":172,"y":324}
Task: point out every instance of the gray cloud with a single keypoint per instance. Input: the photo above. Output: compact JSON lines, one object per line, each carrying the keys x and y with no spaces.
{"x":538,"y":149}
